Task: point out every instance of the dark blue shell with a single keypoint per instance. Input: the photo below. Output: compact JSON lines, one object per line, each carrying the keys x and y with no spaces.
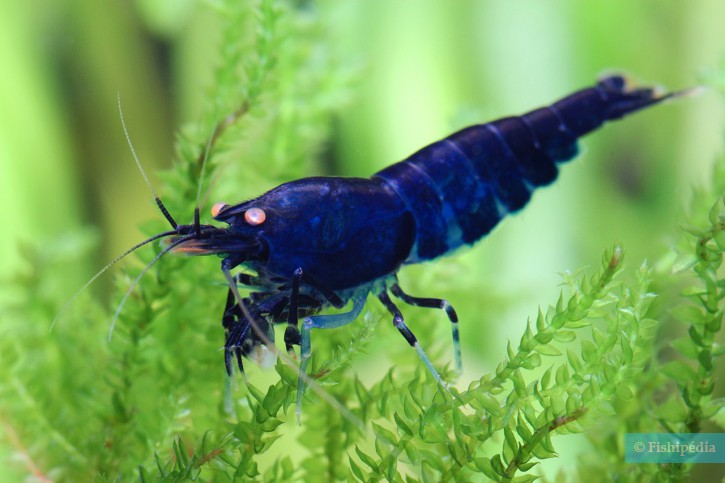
{"x":459,"y":188}
{"x":326,"y":225}
{"x":350,"y":232}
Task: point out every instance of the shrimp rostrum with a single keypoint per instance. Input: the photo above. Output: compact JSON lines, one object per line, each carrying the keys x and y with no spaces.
{"x":322,"y":242}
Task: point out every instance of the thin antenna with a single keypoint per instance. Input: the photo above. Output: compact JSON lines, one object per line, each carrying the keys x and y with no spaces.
{"x":158,"y":201}
{"x":163,"y":252}
{"x":105,"y":269}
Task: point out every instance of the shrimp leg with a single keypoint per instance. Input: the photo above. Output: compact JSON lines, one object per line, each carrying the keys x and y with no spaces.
{"x":399,"y":324}
{"x":435,"y":304}
{"x":321,"y":322}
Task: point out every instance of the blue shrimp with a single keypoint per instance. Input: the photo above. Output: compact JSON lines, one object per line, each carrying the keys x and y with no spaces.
{"x":323,"y":242}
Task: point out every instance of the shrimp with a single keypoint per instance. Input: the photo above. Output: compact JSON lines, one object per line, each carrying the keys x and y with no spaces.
{"x":322,"y":242}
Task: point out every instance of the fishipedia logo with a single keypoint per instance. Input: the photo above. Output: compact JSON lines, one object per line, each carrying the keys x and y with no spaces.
{"x":675,"y":448}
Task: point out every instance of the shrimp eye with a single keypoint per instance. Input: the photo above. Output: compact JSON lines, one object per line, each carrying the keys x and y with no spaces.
{"x":255,"y":216}
{"x":218,"y":208}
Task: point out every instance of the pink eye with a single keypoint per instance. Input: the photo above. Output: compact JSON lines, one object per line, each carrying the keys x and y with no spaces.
{"x":255,"y":216}
{"x":218,"y":208}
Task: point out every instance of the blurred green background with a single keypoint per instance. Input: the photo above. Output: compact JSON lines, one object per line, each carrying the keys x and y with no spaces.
{"x":424,"y":69}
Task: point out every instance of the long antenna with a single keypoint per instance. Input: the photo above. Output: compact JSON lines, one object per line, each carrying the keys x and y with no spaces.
{"x":158,"y":201}
{"x":105,"y":269}
{"x":163,"y":252}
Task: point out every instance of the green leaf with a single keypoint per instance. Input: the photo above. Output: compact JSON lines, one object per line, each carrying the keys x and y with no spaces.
{"x":532,"y":361}
{"x":648,"y":323}
{"x":525,"y":478}
{"x":624,"y":392}
{"x":562,"y":375}
{"x":498,"y":466}
{"x":719,"y":418}
{"x":540,"y":322}
{"x":693,"y":230}
{"x":541,"y":452}
{"x":712,"y":407}
{"x":565,"y":336}
{"x":182,"y":454}
{"x":526,"y":338}
{"x":546,"y":444}
{"x":696,"y":337}
{"x":385,"y":435}
{"x":546,"y":378}
{"x":574,"y":361}
{"x":366,"y":459}
{"x":411,"y":408}
{"x":548,"y":350}
{"x":598,"y":336}
{"x":244,"y":432}
{"x":256,"y":393}
{"x":705,"y":359}
{"x":558,"y":405}
{"x":143,"y":475}
{"x":528,"y":465}
{"x":679,"y":371}
{"x":593,"y":390}
{"x":484,"y":465}
{"x":489,"y":403}
{"x":518,"y":381}
{"x":160,"y":465}
{"x":588,"y":351}
{"x":523,"y":431}
{"x":719,"y":239}
{"x":510,"y":439}
{"x":578,"y":324}
{"x":391,"y":465}
{"x":718,"y":349}
{"x":713,"y":326}
{"x":356,"y":471}
{"x":530,"y":415}
{"x":686,"y":347}
{"x":270,"y":424}
{"x":627,"y":352}
{"x":714,"y":213}
{"x":402,"y":425}
{"x":544,"y":337}
{"x":573,"y":402}
{"x":434,"y":460}
{"x":274,"y":399}
{"x":689,"y":314}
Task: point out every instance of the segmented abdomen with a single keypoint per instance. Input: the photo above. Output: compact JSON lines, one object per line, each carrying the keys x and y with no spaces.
{"x":459,"y":188}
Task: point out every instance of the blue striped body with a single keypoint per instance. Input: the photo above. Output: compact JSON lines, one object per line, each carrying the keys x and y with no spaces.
{"x":353,"y":232}
{"x":460,"y":187}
